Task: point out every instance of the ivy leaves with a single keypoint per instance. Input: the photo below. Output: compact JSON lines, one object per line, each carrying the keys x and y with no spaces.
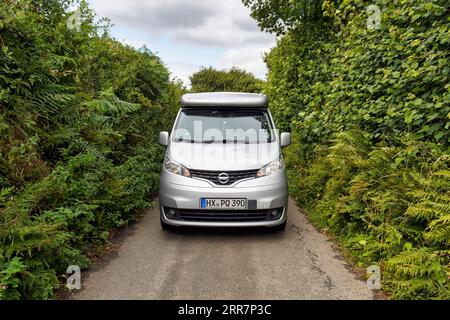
{"x":391,"y":83}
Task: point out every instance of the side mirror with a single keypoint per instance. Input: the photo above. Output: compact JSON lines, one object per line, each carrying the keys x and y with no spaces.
{"x":285,"y":139}
{"x":164,"y":138}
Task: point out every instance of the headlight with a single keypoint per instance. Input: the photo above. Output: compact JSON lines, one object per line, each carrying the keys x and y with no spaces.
{"x":271,"y":168}
{"x":175,"y":167}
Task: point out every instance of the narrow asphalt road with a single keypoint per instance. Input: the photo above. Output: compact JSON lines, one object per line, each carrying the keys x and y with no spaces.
{"x":299,"y":263}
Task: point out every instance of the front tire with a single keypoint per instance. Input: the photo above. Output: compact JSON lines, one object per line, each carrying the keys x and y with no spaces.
{"x":165,"y":226}
{"x":280,"y":227}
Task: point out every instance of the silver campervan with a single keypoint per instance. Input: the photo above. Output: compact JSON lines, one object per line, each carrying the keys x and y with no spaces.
{"x":223,"y":165}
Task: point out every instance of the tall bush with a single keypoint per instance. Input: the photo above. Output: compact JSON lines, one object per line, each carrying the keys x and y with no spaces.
{"x":370,"y":112}
{"x":79,"y":116}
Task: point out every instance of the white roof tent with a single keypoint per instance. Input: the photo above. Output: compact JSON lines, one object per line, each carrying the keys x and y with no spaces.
{"x":224,"y":99}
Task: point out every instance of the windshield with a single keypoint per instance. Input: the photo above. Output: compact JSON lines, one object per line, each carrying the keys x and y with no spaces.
{"x":223,"y":126}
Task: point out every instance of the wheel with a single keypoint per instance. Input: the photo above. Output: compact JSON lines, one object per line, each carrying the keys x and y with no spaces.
{"x":280,"y":227}
{"x":165,"y":226}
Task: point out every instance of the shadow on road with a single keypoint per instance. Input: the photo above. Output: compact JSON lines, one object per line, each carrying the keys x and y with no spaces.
{"x":231,"y":232}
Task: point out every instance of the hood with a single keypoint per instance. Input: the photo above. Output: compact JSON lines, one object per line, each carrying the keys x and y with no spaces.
{"x":226,"y":157}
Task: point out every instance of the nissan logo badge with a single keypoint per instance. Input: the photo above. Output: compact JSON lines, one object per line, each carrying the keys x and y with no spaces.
{"x":223,"y":178}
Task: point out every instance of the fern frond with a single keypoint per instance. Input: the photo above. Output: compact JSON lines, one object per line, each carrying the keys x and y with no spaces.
{"x":428,"y":210}
{"x":421,"y":194}
{"x":109,"y":103}
{"x":85,"y":147}
{"x":442,"y":173}
{"x":360,"y":143}
{"x":439,"y":230}
{"x":59,"y":105}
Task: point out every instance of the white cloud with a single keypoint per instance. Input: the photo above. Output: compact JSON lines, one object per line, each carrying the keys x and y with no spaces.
{"x":182,"y":70}
{"x":153,"y":15}
{"x":220,"y":28}
{"x":249,"y":58}
{"x":230,"y":26}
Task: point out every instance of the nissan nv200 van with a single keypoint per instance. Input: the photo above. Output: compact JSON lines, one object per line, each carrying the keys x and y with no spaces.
{"x":223,"y":165}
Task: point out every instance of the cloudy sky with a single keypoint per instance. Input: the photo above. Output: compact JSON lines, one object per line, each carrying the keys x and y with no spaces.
{"x":189,"y":34}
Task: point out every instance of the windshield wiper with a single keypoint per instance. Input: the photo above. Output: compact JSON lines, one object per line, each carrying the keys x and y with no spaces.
{"x":208,"y":141}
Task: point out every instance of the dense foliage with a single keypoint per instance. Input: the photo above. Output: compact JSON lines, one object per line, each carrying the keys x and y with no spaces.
{"x":233,"y":80}
{"x":280,"y":16}
{"x":79,"y":116}
{"x":370,"y":112}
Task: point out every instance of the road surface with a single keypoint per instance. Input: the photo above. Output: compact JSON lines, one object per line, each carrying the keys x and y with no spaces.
{"x":299,"y":263}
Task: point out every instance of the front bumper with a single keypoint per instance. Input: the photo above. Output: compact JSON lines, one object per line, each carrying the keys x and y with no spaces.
{"x":185,"y":193}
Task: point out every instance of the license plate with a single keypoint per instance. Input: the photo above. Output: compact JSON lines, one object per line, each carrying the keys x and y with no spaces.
{"x":218,"y":203}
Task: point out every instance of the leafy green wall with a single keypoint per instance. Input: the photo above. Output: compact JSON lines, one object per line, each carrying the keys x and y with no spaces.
{"x":233,"y":80}
{"x":79,"y":119}
{"x":370,"y":114}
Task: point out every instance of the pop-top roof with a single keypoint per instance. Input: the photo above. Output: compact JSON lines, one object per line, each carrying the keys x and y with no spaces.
{"x":224,"y":99}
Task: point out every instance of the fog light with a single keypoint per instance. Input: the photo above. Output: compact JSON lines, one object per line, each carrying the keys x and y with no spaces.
{"x":172,"y":213}
{"x":274,"y":213}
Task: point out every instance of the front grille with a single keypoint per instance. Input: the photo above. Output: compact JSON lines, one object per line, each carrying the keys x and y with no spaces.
{"x":223,"y":215}
{"x":213,"y":176}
